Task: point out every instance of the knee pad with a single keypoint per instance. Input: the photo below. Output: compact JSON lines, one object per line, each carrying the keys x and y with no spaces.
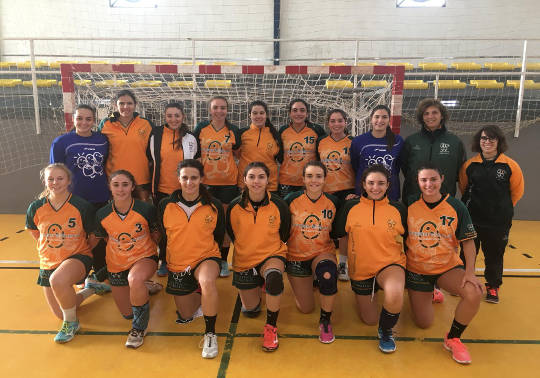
{"x":327,"y":286}
{"x":273,"y":281}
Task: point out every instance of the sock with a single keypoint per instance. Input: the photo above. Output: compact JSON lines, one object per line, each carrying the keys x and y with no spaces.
{"x":86,"y":292}
{"x":224,"y":253}
{"x":141,"y":316}
{"x":271,"y":317}
{"x":210,"y":322}
{"x":336,"y":243}
{"x":387,"y":321}
{"x":342,"y":259}
{"x":456,"y":330}
{"x":325,"y":316}
{"x":70,"y":314}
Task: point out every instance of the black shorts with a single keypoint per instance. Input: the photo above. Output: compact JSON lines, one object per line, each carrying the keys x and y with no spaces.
{"x":224,"y":193}
{"x":184,"y":283}
{"x":45,"y":274}
{"x":283,"y":190}
{"x":424,"y":282}
{"x":251,"y":278}
{"x":370,"y":285}
{"x":121,"y":278}
{"x":299,"y":268}
{"x":342,"y":194}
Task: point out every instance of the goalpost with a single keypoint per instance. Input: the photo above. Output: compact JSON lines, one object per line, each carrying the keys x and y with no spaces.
{"x":355,"y":89}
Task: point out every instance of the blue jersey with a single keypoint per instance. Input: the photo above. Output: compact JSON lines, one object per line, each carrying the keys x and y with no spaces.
{"x":366,"y":150}
{"x":85,"y":157}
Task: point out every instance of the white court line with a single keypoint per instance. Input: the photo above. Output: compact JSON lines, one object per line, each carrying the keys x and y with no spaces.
{"x":18,"y":262}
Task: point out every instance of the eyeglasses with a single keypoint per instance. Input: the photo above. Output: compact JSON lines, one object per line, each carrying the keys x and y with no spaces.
{"x":484,"y":138}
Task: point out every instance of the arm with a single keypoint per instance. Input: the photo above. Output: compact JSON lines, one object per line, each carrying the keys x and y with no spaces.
{"x":517,"y":184}
{"x":34,"y":233}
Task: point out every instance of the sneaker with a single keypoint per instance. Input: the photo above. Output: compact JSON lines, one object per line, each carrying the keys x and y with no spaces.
{"x":198,"y":313}
{"x":343,"y":272}
{"x":153,"y":287}
{"x":135,"y":338}
{"x":492,"y":294}
{"x":387,"y":344}
{"x":163,"y":271}
{"x":224,"y":272}
{"x":326,"y":336}
{"x":67,"y":332}
{"x":438,"y":296}
{"x":210,"y":345}
{"x":251,"y":313}
{"x":100,"y":288}
{"x":459,"y":351}
{"x":270,"y":339}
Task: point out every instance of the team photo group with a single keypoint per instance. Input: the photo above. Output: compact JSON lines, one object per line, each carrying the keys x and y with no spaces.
{"x":125,"y":200}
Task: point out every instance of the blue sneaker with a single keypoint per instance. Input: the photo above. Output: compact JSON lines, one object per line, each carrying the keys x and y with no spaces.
{"x":163,"y":271}
{"x":224,"y":272}
{"x":67,"y":332}
{"x":99,"y":287}
{"x":387,"y":344}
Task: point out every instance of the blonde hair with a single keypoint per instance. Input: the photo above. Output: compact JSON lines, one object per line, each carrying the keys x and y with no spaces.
{"x":43,"y":172}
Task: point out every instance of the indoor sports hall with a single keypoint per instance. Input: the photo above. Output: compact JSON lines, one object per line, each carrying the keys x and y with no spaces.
{"x":480,"y":58}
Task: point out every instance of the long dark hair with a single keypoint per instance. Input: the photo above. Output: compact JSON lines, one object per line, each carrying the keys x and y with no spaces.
{"x":268,"y":123}
{"x":177,"y":143}
{"x":389,"y":136}
{"x":245,"y":191}
{"x":87,"y":107}
{"x":203,"y":192}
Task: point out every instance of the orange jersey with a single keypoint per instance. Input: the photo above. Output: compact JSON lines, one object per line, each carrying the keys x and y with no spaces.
{"x":311,"y":225}
{"x":129,"y":239}
{"x":298,"y":149}
{"x":191,"y":239}
{"x":257,"y":235}
{"x":336,"y":156}
{"x":170,"y":158}
{"x":217,"y":153}
{"x":435,"y":235}
{"x":127,"y":147}
{"x":259,"y":145}
{"x":63,"y":232}
{"x":376,"y":230}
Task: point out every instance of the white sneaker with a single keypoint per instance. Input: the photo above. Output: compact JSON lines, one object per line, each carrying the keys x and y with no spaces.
{"x":198,"y":313}
{"x":135,"y":338}
{"x":343,"y":272}
{"x":210,"y":345}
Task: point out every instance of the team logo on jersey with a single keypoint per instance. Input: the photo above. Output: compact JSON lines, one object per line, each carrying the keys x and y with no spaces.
{"x":428,"y":236}
{"x":125,"y":242}
{"x":444,"y":149}
{"x":208,"y":219}
{"x":296,"y":152}
{"x":272,"y":220}
{"x":386,"y":160}
{"x":214,"y":150}
{"x":311,"y":229}
{"x":391,"y":224}
{"x":333,"y":161}
{"x":55,"y":236}
{"x":142,"y":133}
{"x":501,"y":173}
{"x":269,"y":147}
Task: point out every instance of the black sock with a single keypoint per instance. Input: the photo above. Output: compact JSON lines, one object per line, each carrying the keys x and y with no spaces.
{"x":224,"y":253}
{"x":210,"y":322}
{"x":271,"y":317}
{"x":387,"y":321}
{"x":456,"y":330}
{"x":325,"y":317}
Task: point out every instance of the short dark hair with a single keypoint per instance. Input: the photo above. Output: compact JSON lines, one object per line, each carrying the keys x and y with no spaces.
{"x":124,"y":172}
{"x":429,"y":165}
{"x":126,"y":92}
{"x":314,"y":163}
{"x":87,"y":107}
{"x":426,"y":103}
{"x":376,"y":168}
{"x":492,"y":131}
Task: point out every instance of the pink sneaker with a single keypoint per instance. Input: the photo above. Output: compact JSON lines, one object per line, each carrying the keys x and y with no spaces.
{"x":438,"y":296}
{"x":459,"y":350}
{"x":270,"y":339}
{"x":326,"y":336}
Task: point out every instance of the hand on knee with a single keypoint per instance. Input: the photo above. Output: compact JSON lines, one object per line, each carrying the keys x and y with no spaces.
{"x":273,"y":281}
{"x":326,"y":273}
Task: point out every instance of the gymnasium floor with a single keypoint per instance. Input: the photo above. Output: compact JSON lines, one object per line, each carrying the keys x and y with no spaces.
{"x":503,"y":339}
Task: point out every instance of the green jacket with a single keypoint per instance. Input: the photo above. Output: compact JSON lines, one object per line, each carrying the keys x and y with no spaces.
{"x":440,"y":147}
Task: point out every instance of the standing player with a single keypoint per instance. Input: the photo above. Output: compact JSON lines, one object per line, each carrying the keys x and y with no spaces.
{"x":334,"y":151}
{"x":378,"y":146}
{"x":438,"y":224}
{"x":258,"y":224}
{"x":491,"y":184}
{"x":131,"y":228}
{"x":435,"y":144}
{"x":85,"y":152}
{"x":195,"y":226}
{"x":299,"y":139}
{"x":310,"y":248}
{"x":220,"y":140}
{"x":61,"y":222}
{"x":260,"y":142}
{"x":376,"y":227}
{"x":167,"y":147}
